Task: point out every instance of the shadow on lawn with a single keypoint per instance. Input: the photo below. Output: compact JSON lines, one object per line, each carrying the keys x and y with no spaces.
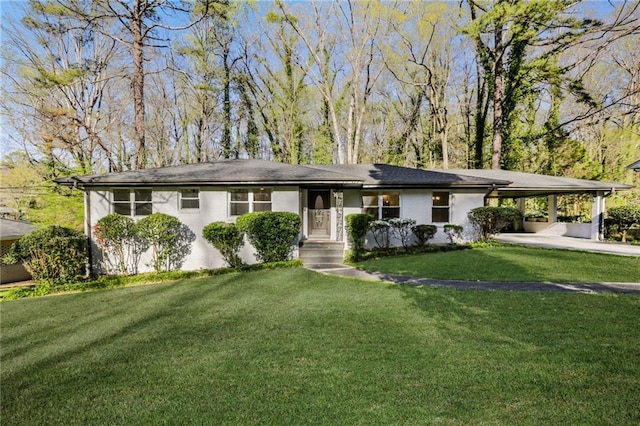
{"x":537,"y":270}
{"x":91,"y":328}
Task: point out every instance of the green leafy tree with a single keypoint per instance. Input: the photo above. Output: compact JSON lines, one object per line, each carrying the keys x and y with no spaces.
{"x":624,"y":217}
{"x":279,"y":89}
{"x":507,"y":33}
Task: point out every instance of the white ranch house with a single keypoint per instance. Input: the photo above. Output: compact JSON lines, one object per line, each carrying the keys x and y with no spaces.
{"x":323,"y":195}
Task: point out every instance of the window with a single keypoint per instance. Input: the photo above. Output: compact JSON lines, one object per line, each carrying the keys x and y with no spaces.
{"x":189,"y":199}
{"x":381,"y":205}
{"x":243,"y":201}
{"x":440,"y":207}
{"x":132,"y":202}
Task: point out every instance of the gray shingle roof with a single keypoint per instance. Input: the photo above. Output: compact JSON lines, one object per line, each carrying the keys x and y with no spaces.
{"x":247,"y":172}
{"x":530,"y":184}
{"x":261,"y":172}
{"x":385,"y":175}
{"x":634,"y":166}
{"x":223,"y":172}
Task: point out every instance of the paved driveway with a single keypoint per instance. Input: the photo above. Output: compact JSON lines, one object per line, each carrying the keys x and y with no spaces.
{"x":569,"y":243}
{"x":349,"y":271}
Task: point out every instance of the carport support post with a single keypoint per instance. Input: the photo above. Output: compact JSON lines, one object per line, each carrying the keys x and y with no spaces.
{"x":597,"y":215}
{"x":520,"y":202}
{"x":553,"y":209}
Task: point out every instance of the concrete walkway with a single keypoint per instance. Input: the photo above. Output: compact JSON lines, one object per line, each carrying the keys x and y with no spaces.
{"x":569,"y":243}
{"x":351,"y":272}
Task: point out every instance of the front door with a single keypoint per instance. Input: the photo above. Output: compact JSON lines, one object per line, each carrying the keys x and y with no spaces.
{"x":319,"y":213}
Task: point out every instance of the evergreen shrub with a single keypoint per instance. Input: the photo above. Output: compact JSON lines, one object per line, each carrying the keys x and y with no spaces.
{"x":357,"y":228}
{"x":169,"y":239}
{"x":490,"y":220}
{"x":424,"y":233}
{"x":402,"y":229}
{"x":227,"y":239}
{"x":381,"y":232}
{"x":54,"y":254}
{"x":454,"y":232}
{"x":117,"y":236}
{"x":272,"y":234}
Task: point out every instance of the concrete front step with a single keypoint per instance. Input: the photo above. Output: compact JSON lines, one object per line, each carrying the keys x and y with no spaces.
{"x":321,"y":259}
{"x":320,"y":244}
{"x":318,"y":252}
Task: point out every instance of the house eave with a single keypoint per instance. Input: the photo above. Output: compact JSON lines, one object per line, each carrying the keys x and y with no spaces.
{"x":510,"y":192}
{"x":123,"y":184}
{"x":482,"y":186}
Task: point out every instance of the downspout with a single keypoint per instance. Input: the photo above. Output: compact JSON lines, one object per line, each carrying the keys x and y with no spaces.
{"x":87,"y":232}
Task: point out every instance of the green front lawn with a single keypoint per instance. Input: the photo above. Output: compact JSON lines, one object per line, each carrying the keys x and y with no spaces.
{"x":512,"y":263}
{"x":295,"y":347}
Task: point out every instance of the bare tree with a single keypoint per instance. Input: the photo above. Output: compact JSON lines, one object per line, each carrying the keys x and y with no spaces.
{"x":141,"y":24}
{"x":60,"y":69}
{"x":347,"y":30}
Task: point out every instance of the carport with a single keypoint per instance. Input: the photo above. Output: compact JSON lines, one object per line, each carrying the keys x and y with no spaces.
{"x":10,"y":232}
{"x":530,"y":185}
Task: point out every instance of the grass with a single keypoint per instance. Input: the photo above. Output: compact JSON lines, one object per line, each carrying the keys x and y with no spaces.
{"x":116,"y":281}
{"x":295,"y":347}
{"x":512,"y":263}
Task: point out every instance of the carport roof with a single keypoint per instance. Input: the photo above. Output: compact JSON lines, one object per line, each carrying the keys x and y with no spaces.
{"x":534,"y":185}
{"x":14,"y":229}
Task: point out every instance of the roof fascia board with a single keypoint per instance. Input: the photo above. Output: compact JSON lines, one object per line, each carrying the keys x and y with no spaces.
{"x":206,"y":183}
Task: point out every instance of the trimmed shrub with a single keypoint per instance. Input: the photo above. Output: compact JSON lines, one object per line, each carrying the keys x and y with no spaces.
{"x":454,"y":232}
{"x":381,"y":231}
{"x":623,"y":218}
{"x":227,"y":239}
{"x":402,"y":229}
{"x":169,"y":239}
{"x":271,"y":233}
{"x":357,"y":228}
{"x":54,"y":254}
{"x":490,"y":220}
{"x":117,"y":236}
{"x":424,"y":233}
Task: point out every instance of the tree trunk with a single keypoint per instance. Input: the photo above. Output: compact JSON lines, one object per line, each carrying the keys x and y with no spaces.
{"x":498,"y":89}
{"x":137,"y":47}
{"x":226,"y":107}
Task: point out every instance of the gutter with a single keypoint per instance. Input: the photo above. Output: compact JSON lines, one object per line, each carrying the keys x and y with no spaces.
{"x":81,"y":184}
{"x":87,"y":232}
